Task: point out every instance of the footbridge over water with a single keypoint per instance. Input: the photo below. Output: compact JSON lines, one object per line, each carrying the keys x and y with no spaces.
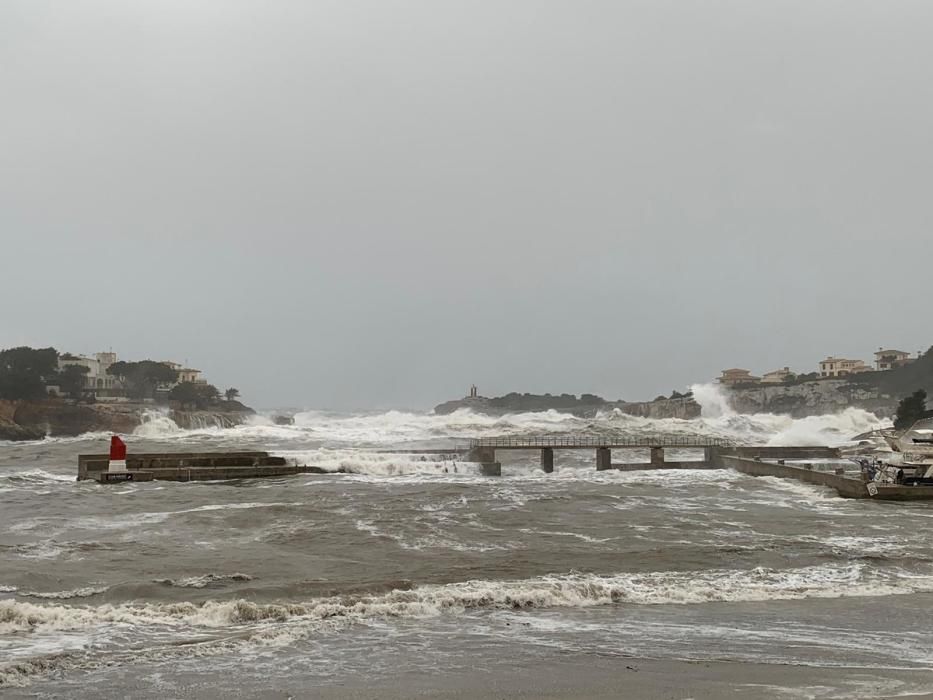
{"x":483,"y":450}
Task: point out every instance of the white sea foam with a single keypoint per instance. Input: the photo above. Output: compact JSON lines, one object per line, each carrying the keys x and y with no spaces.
{"x":205,"y":580}
{"x":35,"y":476}
{"x":83,"y":592}
{"x":340,"y":431}
{"x":156,"y":423}
{"x":248,"y":622}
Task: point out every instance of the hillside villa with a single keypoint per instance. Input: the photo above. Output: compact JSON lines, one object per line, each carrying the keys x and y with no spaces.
{"x":841,"y":367}
{"x":734,"y":376}
{"x":892,"y":359}
{"x":830,"y":367}
{"x":107,"y":387}
{"x":777,"y":376}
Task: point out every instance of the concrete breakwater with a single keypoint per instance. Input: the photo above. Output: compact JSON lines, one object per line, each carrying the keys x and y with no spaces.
{"x":186,"y":466}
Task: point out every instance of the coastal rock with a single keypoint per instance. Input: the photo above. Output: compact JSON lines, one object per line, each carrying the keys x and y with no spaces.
{"x":811,"y":398}
{"x":199,"y":420}
{"x":33,"y":420}
{"x":11,"y":431}
{"x":683,"y":408}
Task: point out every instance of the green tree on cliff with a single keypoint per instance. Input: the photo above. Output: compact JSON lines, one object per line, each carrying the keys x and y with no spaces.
{"x":24,"y":372}
{"x":911,"y":409}
{"x":231,"y":394}
{"x":71,"y":380}
{"x":191,"y":395}
{"x":143,"y":377}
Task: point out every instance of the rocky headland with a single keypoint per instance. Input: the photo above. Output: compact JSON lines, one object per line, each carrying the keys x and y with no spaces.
{"x":34,"y":420}
{"x":815,"y":398}
{"x":586,"y":406}
{"x":876,"y":392}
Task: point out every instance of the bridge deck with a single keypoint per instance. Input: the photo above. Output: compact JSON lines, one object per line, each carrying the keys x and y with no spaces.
{"x":571,"y":442}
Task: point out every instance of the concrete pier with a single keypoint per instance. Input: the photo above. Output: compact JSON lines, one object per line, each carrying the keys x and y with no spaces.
{"x":490,"y":468}
{"x":845,"y":486}
{"x":186,"y":466}
{"x":603,"y":459}
{"x":483,"y":450}
{"x":547,"y":460}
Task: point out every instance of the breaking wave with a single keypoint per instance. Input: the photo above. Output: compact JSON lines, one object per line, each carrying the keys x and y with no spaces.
{"x":397,"y":427}
{"x":157,"y":424}
{"x":563,"y":590}
{"x":313,"y":428}
{"x":84,"y":592}
{"x":214,"y":626}
{"x":204,"y":581}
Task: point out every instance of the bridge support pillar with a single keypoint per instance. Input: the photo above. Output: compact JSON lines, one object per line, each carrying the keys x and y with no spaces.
{"x":603,"y":459}
{"x":491,"y":468}
{"x":547,"y":459}
{"x":482,"y":454}
{"x":486,"y":456}
{"x":712,"y":456}
{"x":657,"y":456}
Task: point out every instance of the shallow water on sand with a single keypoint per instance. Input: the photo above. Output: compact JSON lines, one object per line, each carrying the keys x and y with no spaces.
{"x":418,"y":565}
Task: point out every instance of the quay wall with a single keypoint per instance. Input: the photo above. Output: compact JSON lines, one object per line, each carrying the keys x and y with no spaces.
{"x":847,"y":487}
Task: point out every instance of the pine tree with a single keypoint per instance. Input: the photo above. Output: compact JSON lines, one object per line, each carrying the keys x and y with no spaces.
{"x":911,"y":409}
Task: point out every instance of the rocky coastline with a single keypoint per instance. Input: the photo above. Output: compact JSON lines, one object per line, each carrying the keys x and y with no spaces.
{"x":584,"y":407}
{"x":799,"y":400}
{"x":814,"y":398}
{"x":35,"y":420}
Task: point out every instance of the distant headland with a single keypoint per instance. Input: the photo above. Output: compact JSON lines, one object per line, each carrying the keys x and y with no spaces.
{"x":839,"y":384}
{"x":585,"y":406}
{"x":44,"y":392}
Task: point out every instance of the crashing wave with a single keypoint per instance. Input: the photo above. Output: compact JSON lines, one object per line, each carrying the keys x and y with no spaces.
{"x":203,"y":581}
{"x":559,"y":590}
{"x":84,"y":592}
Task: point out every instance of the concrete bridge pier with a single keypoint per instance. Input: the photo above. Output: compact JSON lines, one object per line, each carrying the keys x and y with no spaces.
{"x":657,"y":456}
{"x":603,"y":459}
{"x":547,"y":459}
{"x":486,"y":456}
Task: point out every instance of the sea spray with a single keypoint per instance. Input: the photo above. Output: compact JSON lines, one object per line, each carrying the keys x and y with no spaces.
{"x":713,"y":402}
{"x":156,"y":423}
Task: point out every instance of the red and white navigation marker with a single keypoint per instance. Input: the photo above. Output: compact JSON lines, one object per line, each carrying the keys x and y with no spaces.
{"x":117,"y":455}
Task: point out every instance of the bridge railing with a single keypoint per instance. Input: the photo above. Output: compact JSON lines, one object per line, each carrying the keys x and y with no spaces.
{"x":569,"y":441}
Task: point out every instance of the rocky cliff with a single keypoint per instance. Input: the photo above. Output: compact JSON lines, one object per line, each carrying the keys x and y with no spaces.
{"x":812,"y":398}
{"x":33,"y":420}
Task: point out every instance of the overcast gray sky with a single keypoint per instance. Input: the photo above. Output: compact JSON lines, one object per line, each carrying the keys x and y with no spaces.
{"x":368,"y":204}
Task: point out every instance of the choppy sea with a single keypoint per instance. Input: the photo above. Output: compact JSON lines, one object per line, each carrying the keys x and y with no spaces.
{"x":414,"y":563}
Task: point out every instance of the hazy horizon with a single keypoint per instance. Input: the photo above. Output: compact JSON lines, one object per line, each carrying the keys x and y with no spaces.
{"x":372,"y":205}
